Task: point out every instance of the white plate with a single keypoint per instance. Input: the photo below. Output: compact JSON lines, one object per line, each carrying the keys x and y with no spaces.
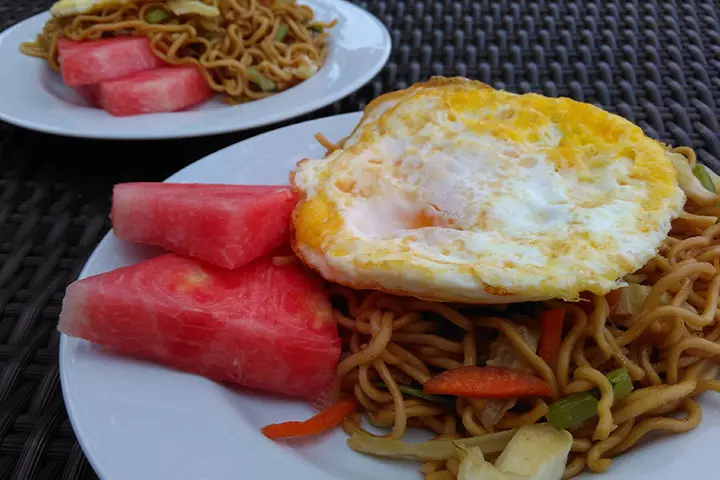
{"x":139,"y":421}
{"x":33,"y":96}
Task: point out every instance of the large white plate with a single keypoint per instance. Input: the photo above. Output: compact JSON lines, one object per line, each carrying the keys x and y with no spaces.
{"x":33,"y":96}
{"x":139,"y":421}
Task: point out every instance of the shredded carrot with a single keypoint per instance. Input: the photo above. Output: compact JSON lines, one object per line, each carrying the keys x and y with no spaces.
{"x":487,"y":382}
{"x":551,"y":327}
{"x":325,"y":420}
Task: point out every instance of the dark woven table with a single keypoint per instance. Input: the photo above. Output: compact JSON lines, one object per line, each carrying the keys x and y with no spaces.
{"x":655,"y":62}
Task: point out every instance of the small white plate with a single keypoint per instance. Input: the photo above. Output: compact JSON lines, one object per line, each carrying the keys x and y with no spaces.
{"x":140,"y":421}
{"x":33,"y":96}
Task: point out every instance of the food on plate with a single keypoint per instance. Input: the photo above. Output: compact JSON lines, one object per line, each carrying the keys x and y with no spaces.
{"x":244,"y":49}
{"x":90,"y":63}
{"x":532,"y":280}
{"x":267,"y":325}
{"x":453,"y":191}
{"x":567,"y":247}
{"x":226,"y":225}
{"x":165,"y":89}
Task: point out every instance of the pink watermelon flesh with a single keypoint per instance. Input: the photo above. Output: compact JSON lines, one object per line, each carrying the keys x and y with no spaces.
{"x":88,"y":92}
{"x":263,"y":326}
{"x":226,"y":225}
{"x":96,"y":61}
{"x":165,"y":89}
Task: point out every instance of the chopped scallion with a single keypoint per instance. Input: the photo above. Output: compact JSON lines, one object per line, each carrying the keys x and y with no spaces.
{"x":575,"y":409}
{"x":264,"y":83}
{"x":156,"y":15}
{"x":282,"y":32}
{"x":701,"y":173}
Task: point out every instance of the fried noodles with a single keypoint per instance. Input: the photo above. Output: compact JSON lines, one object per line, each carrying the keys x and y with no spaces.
{"x":251,"y":50}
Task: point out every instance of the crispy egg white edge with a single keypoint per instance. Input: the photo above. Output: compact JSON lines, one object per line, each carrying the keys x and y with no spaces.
{"x":66,"y":8}
{"x":465,"y":288}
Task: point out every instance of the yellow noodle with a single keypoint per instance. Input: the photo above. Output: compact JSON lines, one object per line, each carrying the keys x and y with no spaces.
{"x":594,"y":456}
{"x":605,"y":417}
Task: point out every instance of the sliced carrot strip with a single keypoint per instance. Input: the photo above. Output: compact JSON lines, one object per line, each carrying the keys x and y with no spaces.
{"x":325,"y":420}
{"x":551,"y":326}
{"x":487,"y":382}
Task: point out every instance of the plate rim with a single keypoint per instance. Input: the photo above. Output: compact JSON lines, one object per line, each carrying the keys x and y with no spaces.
{"x":385,"y":50}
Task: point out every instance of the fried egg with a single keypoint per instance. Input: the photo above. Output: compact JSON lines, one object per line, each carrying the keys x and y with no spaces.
{"x":65,"y":8}
{"x":453,"y":191}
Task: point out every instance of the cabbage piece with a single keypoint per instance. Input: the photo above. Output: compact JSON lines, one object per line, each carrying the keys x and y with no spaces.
{"x":192,"y":7}
{"x":475,"y":467}
{"x":632,"y":299}
{"x":690,"y":184}
{"x":536,"y":452}
{"x":426,"y":451}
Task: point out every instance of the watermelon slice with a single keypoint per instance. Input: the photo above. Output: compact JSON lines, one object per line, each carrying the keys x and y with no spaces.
{"x":226,"y":225}
{"x":268,"y":325}
{"x":165,"y":89}
{"x":95,"y":61}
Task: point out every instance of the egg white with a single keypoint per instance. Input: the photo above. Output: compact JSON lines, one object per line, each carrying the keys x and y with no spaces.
{"x":452,"y":191}
{"x":65,"y":8}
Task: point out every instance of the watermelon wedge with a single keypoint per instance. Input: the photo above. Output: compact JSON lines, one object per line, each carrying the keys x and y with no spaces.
{"x":95,"y":61}
{"x":226,"y":225}
{"x":165,"y":89}
{"x":268,"y":325}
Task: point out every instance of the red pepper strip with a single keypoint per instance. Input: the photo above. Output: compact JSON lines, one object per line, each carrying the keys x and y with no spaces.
{"x":551,"y":327}
{"x":487,"y":382}
{"x":325,"y":420}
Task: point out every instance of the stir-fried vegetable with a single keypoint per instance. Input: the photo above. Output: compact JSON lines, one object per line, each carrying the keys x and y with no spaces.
{"x":193,"y":7}
{"x":473,"y":466}
{"x":702,"y":174}
{"x":536,"y":452}
{"x":503,"y":353}
{"x":417,"y":393}
{"x":264,"y":83}
{"x":551,"y":326}
{"x":426,"y":451}
{"x":632,"y":299}
{"x":305,"y":71}
{"x":327,"y":419}
{"x":317,"y":28}
{"x":282,"y":32}
{"x":575,"y":409}
{"x":156,"y":15}
{"x":487,"y":382}
{"x":690,"y":183}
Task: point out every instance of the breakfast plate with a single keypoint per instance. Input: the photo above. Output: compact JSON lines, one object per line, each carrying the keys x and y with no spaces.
{"x":137,"y":420}
{"x":359,"y":47}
